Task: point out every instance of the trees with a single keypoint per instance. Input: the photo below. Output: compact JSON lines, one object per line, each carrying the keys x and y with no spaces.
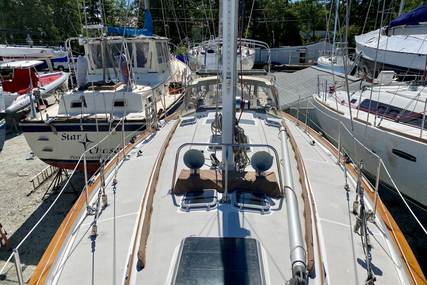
{"x":277,"y":22}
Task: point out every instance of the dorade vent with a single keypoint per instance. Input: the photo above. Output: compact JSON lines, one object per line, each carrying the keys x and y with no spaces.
{"x":251,"y":200}
{"x":219,"y":260}
{"x":119,"y":103}
{"x":206,"y":198}
{"x":189,"y":121}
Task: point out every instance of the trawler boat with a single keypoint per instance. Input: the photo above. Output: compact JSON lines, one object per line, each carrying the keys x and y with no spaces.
{"x":222,"y":195}
{"x":207,"y":55}
{"x":23,"y":80}
{"x":117,"y":80}
{"x":388,"y":121}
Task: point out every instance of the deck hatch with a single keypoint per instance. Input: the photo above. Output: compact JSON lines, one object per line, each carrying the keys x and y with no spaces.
{"x":206,"y":198}
{"x":251,"y":200}
{"x":190,"y":121}
{"x":216,"y":260}
{"x":272,"y":123}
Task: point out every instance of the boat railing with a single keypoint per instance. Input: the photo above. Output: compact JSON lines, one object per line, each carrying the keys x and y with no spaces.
{"x":312,"y":127}
{"x":343,"y":156}
{"x":115,"y":159}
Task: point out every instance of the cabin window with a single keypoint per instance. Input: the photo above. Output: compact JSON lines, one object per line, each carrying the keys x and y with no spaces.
{"x":160,"y":55}
{"x":76,"y":104}
{"x":142,"y":54}
{"x":166,"y":51}
{"x":120,"y":103}
{"x":206,"y":198}
{"x":404,"y":155}
{"x":392,"y":112}
{"x":113,"y":50}
{"x":96,"y":55}
{"x":251,"y":200}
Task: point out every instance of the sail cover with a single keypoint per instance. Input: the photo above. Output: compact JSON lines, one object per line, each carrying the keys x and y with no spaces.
{"x":146,"y":31}
{"x":415,"y":17}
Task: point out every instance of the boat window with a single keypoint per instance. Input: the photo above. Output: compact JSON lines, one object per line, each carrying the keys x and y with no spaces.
{"x":119,"y":103}
{"x":251,"y":200}
{"x":219,"y":260}
{"x":76,"y":104}
{"x":166,"y":51}
{"x":209,"y":95}
{"x":404,"y":155}
{"x":159,"y":50}
{"x":394,"y":113}
{"x":206,"y":198}
{"x":96,"y":55}
{"x":142,"y":54}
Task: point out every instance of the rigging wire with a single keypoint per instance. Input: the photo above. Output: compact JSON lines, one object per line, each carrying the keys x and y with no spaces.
{"x":249,"y":20}
{"x":207,"y":20}
{"x":164,"y":21}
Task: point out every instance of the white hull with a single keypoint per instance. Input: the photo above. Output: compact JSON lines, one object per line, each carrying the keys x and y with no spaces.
{"x":409,"y":176}
{"x":401,"y":51}
{"x":64,"y":148}
{"x":11,"y":53}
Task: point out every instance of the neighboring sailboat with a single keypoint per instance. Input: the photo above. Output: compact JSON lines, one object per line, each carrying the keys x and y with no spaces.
{"x":338,"y":59}
{"x":402,"y":50}
{"x":206,"y":54}
{"x":24,"y":80}
{"x":250,"y":216}
{"x":390,"y":122}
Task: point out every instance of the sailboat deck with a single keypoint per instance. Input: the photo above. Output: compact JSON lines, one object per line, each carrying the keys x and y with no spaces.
{"x":170,"y":225}
{"x":106,"y":257}
{"x":342,"y":253}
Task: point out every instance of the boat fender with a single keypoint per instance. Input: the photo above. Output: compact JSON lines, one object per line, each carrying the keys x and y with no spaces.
{"x":82,"y":69}
{"x":124,"y":72}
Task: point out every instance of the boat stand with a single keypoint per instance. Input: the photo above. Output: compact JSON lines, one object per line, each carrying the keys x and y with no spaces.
{"x":3,"y":234}
{"x":55,"y":185}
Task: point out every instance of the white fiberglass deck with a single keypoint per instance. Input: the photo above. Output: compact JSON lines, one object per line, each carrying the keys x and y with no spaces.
{"x":342,"y":251}
{"x":105,"y":258}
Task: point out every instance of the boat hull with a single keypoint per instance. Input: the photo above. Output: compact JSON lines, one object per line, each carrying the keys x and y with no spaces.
{"x":409,"y":176}
{"x":64,"y":148}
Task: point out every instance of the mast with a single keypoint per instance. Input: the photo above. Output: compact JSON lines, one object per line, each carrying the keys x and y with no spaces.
{"x":229,"y":56}
{"x":335,"y":26}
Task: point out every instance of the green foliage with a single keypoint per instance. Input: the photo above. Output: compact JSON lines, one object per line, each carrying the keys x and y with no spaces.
{"x":277,"y":22}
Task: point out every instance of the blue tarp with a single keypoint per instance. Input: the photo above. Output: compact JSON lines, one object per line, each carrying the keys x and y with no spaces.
{"x":146,"y":31}
{"x":148,"y":23}
{"x":128,"y":31}
{"x":412,"y":18}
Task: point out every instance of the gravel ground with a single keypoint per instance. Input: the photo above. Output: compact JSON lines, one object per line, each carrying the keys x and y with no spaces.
{"x":21,"y":207}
